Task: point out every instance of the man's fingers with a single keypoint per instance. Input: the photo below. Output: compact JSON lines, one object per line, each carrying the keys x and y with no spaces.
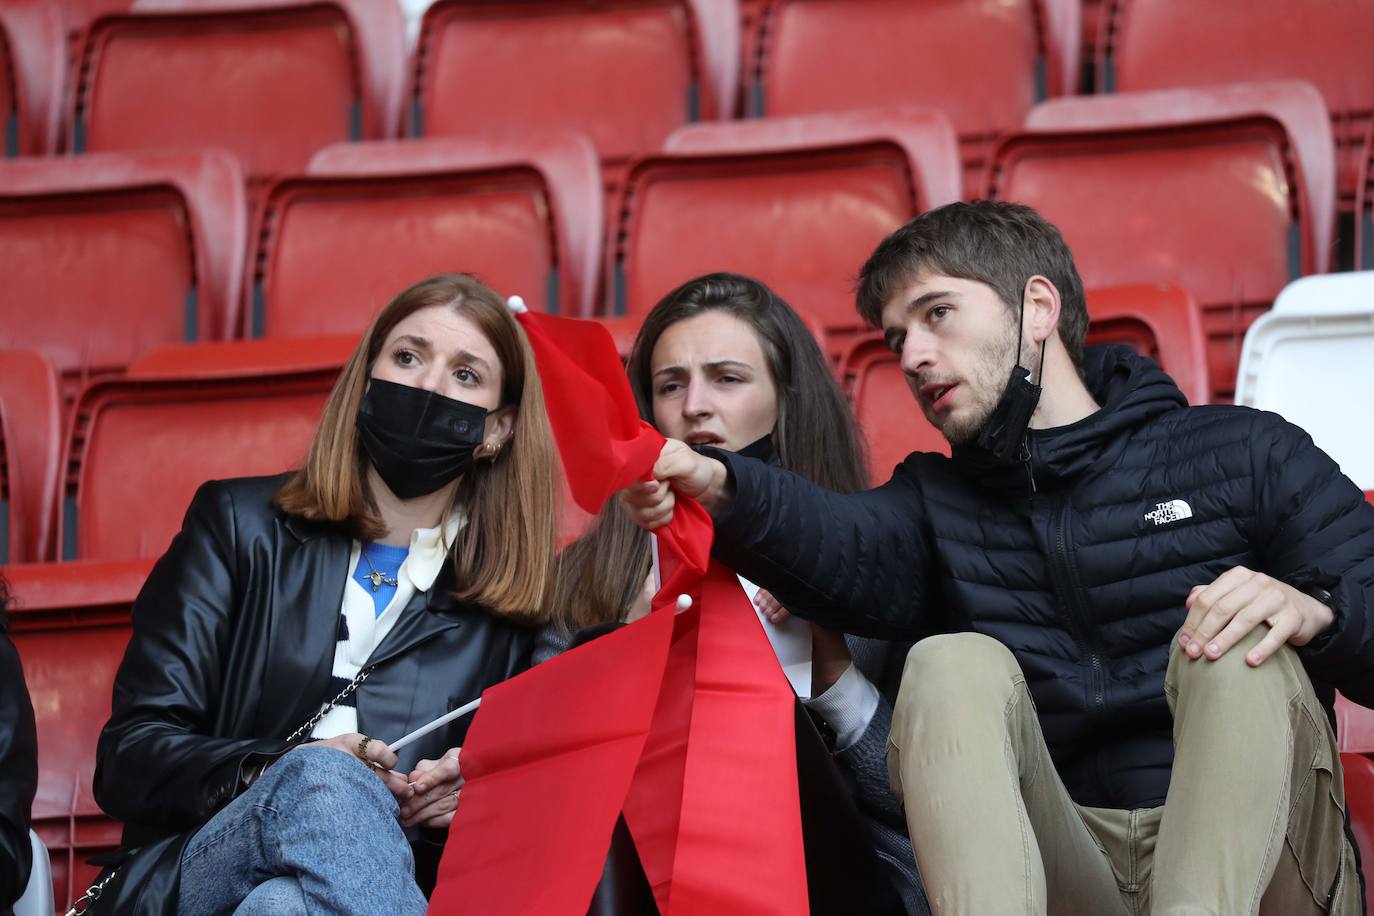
{"x":1202,"y":602}
{"x":1271,"y":643}
{"x":1259,"y":609}
{"x":1242,"y":597}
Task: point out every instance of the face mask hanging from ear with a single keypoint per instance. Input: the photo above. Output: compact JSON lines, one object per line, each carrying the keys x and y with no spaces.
{"x":417,"y":440}
{"x":1005,"y":428}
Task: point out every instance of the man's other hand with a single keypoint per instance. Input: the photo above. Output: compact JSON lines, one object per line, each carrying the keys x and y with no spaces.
{"x":1224,"y":612}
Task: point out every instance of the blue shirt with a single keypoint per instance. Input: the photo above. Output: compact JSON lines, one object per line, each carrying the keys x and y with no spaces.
{"x":386,"y":560}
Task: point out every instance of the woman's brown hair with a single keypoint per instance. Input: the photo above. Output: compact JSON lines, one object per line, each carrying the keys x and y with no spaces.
{"x":816,"y":435}
{"x":503,"y":558}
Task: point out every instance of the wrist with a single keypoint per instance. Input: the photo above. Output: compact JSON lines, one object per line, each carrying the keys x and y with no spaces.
{"x":716,"y":496}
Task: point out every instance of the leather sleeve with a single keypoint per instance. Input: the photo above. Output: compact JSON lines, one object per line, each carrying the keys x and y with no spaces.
{"x":18,"y":775}
{"x":857,"y":563}
{"x":157,"y":762}
{"x":1315,"y":530}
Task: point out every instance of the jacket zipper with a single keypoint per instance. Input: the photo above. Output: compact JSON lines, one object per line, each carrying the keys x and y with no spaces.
{"x":1079,"y":620}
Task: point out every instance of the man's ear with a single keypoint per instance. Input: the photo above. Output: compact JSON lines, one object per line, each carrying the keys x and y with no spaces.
{"x":500,"y":424}
{"x":1041,"y":299}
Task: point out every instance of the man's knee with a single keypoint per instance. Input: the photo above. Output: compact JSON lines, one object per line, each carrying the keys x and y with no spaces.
{"x":963,"y":661}
{"x":1231,"y":670}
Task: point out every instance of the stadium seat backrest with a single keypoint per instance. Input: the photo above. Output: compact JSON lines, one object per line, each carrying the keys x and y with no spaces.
{"x":1167,"y":44}
{"x":1288,"y":356}
{"x":32,"y":66}
{"x":30,"y":405}
{"x":983,"y":64}
{"x":107,"y":255}
{"x":1159,"y":321}
{"x":140,"y":447}
{"x":626,"y":72}
{"x":273,"y":81}
{"x":1359,"y":798}
{"x":798,"y":203}
{"x":891,"y":421}
{"x":369,"y":219}
{"x":1354,"y":727}
{"x":1225,"y":191}
{"x":1364,"y":206}
{"x":70,"y":625}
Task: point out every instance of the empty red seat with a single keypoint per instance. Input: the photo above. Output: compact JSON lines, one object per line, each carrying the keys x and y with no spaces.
{"x":30,"y":424}
{"x":70,"y":625}
{"x":1227,"y":192}
{"x":1355,"y":726}
{"x":798,"y":203}
{"x":141,"y":445}
{"x":1359,"y":799}
{"x":1364,"y":207}
{"x":983,"y":64}
{"x":77,"y":14}
{"x":1166,"y":44}
{"x":271,"y":80}
{"x":33,"y":59}
{"x":108,"y":255}
{"x":625,"y":72}
{"x":369,"y":219}
{"x":1160,"y":321}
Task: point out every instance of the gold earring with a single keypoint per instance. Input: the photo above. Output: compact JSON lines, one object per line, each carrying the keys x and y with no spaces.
{"x":490,"y":450}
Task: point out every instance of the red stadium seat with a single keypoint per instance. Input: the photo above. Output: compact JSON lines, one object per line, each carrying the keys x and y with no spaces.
{"x":798,"y":203}
{"x":77,"y":14}
{"x":627,"y":72}
{"x":141,"y":445}
{"x":1359,"y":798}
{"x":1225,"y":191}
{"x":983,"y":64}
{"x":1167,"y":44}
{"x":33,"y":57}
{"x":1162,"y":322}
{"x":1364,"y":206}
{"x":70,"y":625}
{"x":271,"y":80}
{"x":1354,"y":726}
{"x":369,"y":219}
{"x":108,"y":255}
{"x":30,"y":414}
{"x":888,"y":414}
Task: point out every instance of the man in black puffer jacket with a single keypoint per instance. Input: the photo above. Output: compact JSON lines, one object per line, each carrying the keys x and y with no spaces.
{"x":1132,"y":613}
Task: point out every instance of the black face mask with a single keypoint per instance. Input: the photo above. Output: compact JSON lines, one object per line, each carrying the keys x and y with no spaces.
{"x":418,"y":440}
{"x":1005,"y":428}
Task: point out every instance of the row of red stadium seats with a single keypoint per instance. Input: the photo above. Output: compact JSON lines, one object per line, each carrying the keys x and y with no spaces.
{"x":146,"y":76}
{"x":1230,"y":192}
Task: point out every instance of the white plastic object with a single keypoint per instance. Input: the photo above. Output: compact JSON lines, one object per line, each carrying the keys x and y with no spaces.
{"x":1316,"y":369}
{"x":37,"y":897}
{"x":683,"y":602}
{"x":516,"y":304}
{"x":1328,"y":293}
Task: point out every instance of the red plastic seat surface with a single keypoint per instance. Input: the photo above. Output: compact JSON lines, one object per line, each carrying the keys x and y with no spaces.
{"x":1158,"y":321}
{"x":983,"y":64}
{"x":891,"y":420}
{"x":70,"y":625}
{"x":1354,"y":726}
{"x":369,"y":220}
{"x":32,"y":66}
{"x":141,"y":447}
{"x":1359,"y":798}
{"x":1165,"y":44}
{"x":1154,"y":195}
{"x":625,"y":72}
{"x":798,"y":203}
{"x":108,"y":255}
{"x":30,"y":404}
{"x":271,"y":81}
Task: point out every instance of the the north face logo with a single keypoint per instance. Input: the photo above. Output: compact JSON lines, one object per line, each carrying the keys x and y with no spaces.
{"x":1175,"y":510}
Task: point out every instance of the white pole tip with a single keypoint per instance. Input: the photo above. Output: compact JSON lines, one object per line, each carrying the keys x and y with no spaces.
{"x":684,"y":602}
{"x":516,"y":304}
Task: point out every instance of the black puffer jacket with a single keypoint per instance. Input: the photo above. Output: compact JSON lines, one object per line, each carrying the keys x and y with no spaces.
{"x":1083,"y":578}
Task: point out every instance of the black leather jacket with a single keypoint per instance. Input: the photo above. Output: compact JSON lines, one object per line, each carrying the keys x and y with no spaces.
{"x":233,"y":642}
{"x":18,"y":773}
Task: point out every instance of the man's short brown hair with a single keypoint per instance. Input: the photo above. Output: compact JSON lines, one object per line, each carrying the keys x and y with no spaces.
{"x":994,"y":242}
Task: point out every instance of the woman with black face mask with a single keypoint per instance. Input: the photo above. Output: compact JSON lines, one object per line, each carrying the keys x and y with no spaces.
{"x":722,"y":361}
{"x":298,"y":623}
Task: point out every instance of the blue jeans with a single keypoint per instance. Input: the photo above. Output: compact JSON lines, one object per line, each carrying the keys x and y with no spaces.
{"x":316,"y":834}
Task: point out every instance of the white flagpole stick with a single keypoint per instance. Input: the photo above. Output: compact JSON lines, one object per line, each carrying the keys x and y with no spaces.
{"x":440,"y":722}
{"x":658,"y":573}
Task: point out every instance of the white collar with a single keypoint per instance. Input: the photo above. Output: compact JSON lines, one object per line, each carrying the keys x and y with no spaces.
{"x":428,"y":550}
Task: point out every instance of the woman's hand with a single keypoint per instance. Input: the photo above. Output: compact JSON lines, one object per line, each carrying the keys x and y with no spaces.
{"x":437,"y":784}
{"x":375,"y":754}
{"x":770,"y":607}
{"x":650,"y":504}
